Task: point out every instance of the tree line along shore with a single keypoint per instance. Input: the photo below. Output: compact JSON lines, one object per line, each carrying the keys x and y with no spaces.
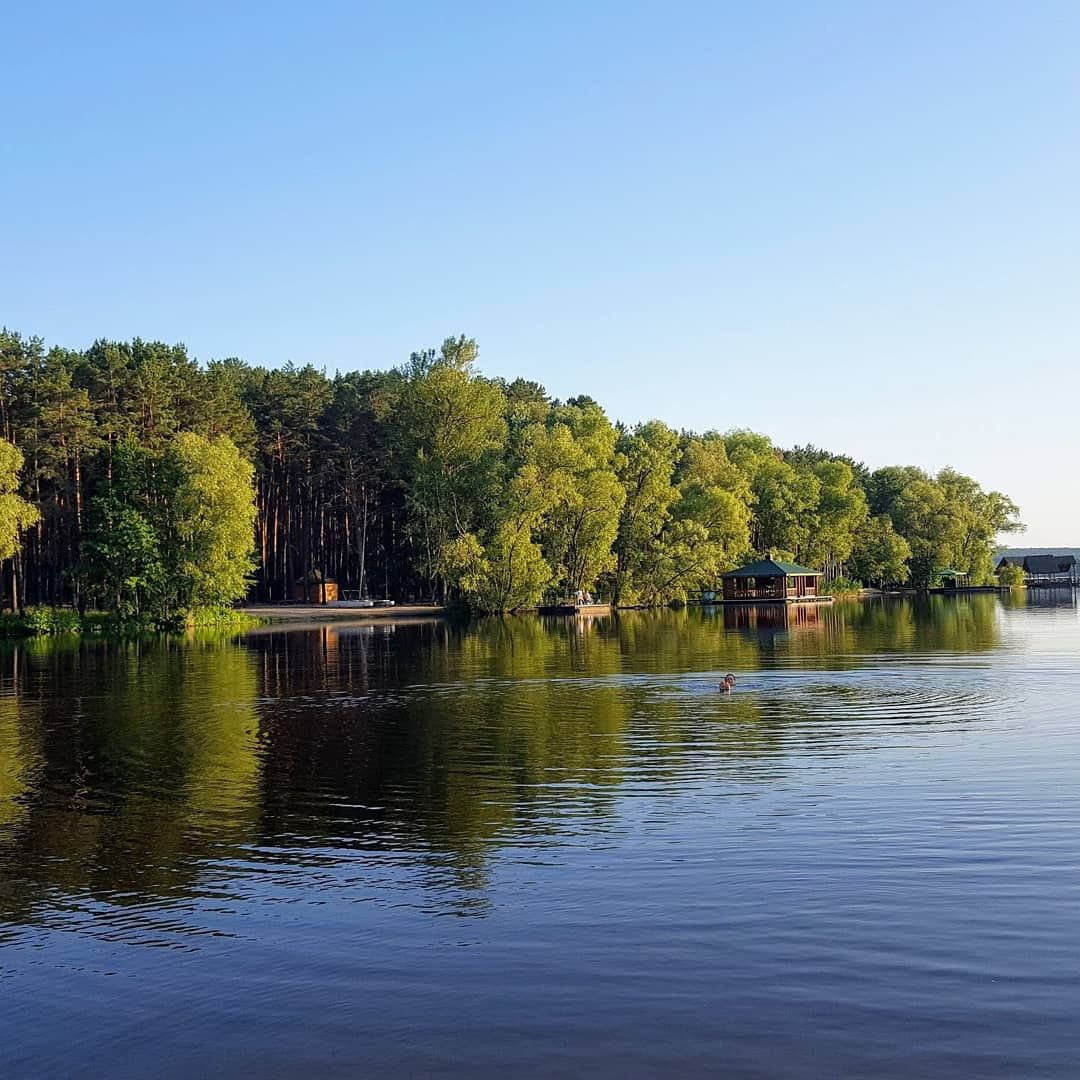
{"x":137,"y":482}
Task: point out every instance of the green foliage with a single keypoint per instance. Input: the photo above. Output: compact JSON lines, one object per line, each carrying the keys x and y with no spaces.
{"x":841,"y":511}
{"x":1011,"y":576}
{"x":679,"y":559}
{"x":704,"y":529}
{"x":580,"y":527}
{"x":151,"y":479}
{"x":172,"y":530}
{"x":211,"y":522}
{"x":880,"y":556}
{"x":716,"y":493}
{"x":52,"y":620}
{"x":44,"y":621}
{"x":221,"y":619}
{"x":516,"y":572}
{"x":784,"y":502}
{"x":645,"y":465}
{"x":841,"y":586}
{"x":13,"y":624}
{"x":16,"y":514}
{"x":123,"y":564}
{"x":947,"y":520}
{"x":450,"y":428}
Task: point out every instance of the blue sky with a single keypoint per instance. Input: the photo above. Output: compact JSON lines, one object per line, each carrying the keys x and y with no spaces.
{"x":851,"y":224}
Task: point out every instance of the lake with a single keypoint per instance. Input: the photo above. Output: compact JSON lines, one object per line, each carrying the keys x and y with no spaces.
{"x":550,"y":847}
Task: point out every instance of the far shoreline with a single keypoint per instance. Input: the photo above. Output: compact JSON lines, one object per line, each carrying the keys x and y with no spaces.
{"x":289,"y":613}
{"x":325,"y":613}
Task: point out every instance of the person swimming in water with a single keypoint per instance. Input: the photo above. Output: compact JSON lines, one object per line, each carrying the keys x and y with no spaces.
{"x":728,"y":684}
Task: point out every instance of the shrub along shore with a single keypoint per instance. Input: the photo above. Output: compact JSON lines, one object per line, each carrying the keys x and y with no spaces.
{"x":54,"y":621}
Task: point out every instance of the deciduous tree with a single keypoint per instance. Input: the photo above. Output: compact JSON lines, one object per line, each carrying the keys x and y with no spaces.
{"x":16,"y":514}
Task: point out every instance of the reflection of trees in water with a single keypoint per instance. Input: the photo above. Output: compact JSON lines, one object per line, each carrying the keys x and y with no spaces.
{"x":141,"y":763}
{"x":465,"y":736}
{"x":839,"y":635}
{"x":19,"y":759}
{"x":917,"y":623}
{"x":128,"y":771}
{"x":481,"y":734}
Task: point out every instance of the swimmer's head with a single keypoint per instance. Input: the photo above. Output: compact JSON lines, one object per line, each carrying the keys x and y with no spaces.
{"x":729,"y":679}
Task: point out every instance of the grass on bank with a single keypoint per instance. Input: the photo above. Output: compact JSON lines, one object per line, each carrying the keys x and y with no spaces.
{"x":55,"y":621}
{"x":841,"y":586}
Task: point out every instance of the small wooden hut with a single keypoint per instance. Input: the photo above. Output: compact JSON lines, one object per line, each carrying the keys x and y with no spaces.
{"x":315,"y":588}
{"x":769,"y":581}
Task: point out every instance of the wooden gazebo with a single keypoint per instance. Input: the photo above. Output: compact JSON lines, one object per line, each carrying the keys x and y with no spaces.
{"x":770,"y":581}
{"x":953,"y":579}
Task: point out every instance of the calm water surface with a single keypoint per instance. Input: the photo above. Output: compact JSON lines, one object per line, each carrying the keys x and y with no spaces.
{"x":551,"y":848}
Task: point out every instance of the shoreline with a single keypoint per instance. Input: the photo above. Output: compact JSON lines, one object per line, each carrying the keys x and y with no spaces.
{"x":64,"y":622}
{"x":270,"y":614}
{"x":287,"y":613}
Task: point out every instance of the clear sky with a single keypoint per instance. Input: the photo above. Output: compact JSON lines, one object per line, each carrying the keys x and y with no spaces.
{"x":852,"y":224}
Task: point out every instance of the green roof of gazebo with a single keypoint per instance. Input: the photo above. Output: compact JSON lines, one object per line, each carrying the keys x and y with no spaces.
{"x":772,"y":568}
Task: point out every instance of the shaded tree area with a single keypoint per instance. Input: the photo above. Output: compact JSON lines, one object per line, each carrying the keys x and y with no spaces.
{"x":428,"y":481}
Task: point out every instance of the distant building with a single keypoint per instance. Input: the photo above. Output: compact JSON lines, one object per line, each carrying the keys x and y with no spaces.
{"x":315,"y":588}
{"x":769,"y":580}
{"x":1043,"y":569}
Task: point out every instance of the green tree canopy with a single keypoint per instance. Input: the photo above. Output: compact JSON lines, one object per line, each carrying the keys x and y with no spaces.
{"x":645,"y":465}
{"x":16,"y":514}
{"x":210,"y":521}
{"x":172,"y":530}
{"x":880,"y":555}
{"x":424,"y":481}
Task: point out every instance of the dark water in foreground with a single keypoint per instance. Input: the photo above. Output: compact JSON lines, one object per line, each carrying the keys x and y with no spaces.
{"x":535,"y":848}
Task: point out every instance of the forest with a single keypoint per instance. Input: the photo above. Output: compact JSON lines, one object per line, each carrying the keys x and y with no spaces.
{"x":135,"y":479}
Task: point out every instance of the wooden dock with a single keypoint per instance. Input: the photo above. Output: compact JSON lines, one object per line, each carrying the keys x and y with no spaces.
{"x":575,"y":609}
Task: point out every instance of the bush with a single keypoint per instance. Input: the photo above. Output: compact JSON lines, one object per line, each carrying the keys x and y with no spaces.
{"x":55,"y":621}
{"x":841,"y":586}
{"x":221,"y":618}
{"x":1011,"y":576}
{"x":12,"y":624}
{"x":52,"y":620}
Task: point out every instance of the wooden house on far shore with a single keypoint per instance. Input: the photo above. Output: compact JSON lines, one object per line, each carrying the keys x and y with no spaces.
{"x":315,"y":588}
{"x":769,"y":581}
